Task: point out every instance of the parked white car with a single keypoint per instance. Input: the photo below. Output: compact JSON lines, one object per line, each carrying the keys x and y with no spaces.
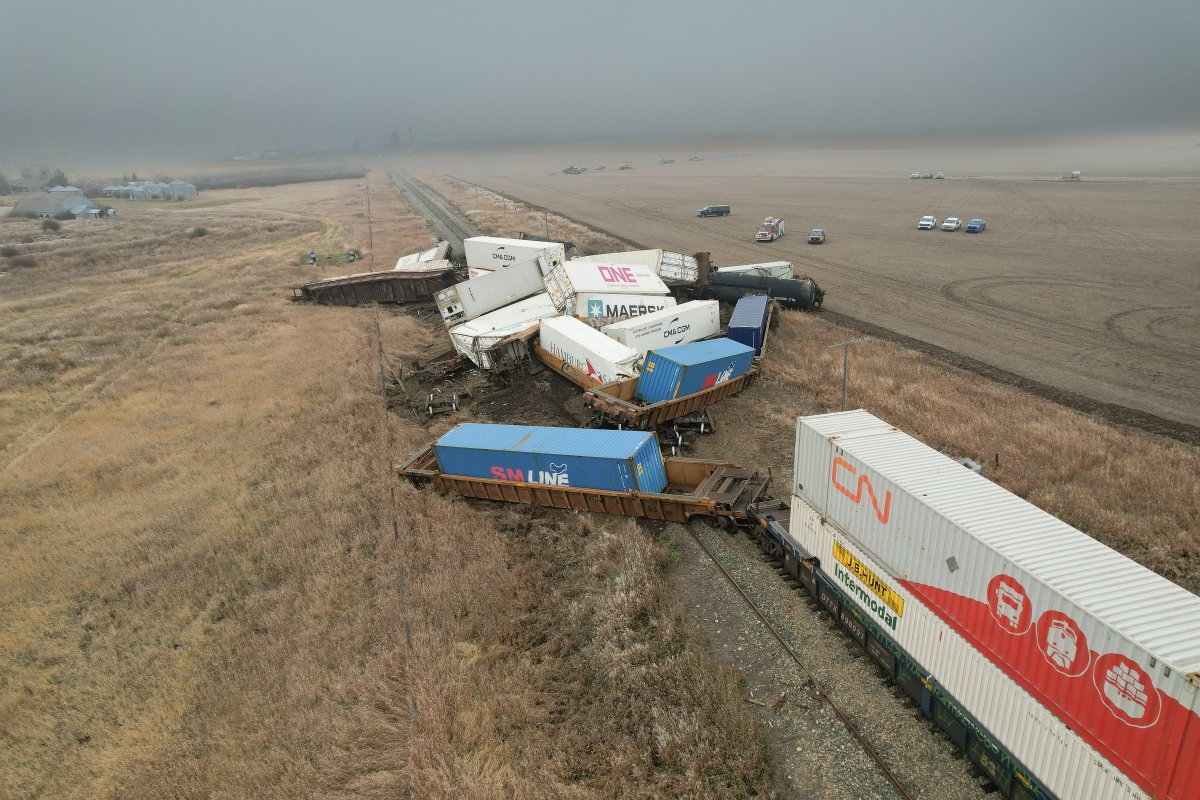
{"x":952,"y":224}
{"x":926,"y":224}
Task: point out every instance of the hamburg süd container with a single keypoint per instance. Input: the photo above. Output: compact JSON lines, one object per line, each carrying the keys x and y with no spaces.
{"x":620,"y":461}
{"x":687,"y":322}
{"x":588,"y":350}
{"x":748,"y":324}
{"x":671,"y":372}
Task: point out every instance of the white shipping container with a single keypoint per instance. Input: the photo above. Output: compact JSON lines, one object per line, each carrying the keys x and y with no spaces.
{"x":588,"y":350}
{"x":472,"y":272}
{"x":689,"y":322}
{"x":421,"y":262}
{"x":1056,"y":755}
{"x":477,"y":296}
{"x":600,"y":309}
{"x":481,"y":339}
{"x":770,"y":269}
{"x":664,"y":263}
{"x":494,"y":252}
{"x":1110,"y":647}
{"x":565,"y":281}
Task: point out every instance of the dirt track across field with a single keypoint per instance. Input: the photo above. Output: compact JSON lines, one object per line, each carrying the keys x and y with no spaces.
{"x":1089,"y":288}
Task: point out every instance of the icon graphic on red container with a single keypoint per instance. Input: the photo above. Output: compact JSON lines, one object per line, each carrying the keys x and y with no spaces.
{"x":1010,"y":604}
{"x":1062,"y":643}
{"x":1127,"y":691}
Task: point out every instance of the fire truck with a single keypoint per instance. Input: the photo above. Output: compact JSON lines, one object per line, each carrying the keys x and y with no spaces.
{"x":769,"y":230}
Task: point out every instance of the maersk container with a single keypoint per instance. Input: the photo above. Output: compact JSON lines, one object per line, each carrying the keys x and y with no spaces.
{"x":601,"y":309}
{"x":497,"y":253}
{"x":499,"y":335}
{"x":473,"y":298}
{"x":748,"y":324}
{"x":1110,"y":647}
{"x":671,"y":372}
{"x":769,"y":269}
{"x":566,"y":281}
{"x":588,"y":350}
{"x":628,"y":461}
{"x":1056,"y":755}
{"x":688,"y":322}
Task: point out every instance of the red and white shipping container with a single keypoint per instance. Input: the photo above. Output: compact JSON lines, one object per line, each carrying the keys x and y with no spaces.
{"x":668,"y":265}
{"x":588,"y":350}
{"x":1106,"y":646}
{"x":576,"y":284}
{"x":495,"y":252}
{"x":687,"y":322}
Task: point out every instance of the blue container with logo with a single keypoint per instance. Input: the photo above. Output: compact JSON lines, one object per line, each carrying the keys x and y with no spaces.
{"x":622,"y":461}
{"x":748,"y":324}
{"x":684,"y":369}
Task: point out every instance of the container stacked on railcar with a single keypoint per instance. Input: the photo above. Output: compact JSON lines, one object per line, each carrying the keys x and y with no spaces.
{"x":1061,"y":666}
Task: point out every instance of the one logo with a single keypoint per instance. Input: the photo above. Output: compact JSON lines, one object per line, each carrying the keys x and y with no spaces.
{"x":1126,"y":690}
{"x":882,"y":514}
{"x":595,"y":308}
{"x":622,"y":275}
{"x":1010,"y":604}
{"x":1063,"y":644}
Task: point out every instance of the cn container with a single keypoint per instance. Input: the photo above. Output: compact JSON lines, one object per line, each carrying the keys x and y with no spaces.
{"x":748,"y":324}
{"x":620,"y":461}
{"x":685,"y":369}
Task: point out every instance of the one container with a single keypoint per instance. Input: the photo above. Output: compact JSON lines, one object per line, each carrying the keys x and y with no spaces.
{"x":748,"y":324}
{"x":685,"y":369}
{"x":688,"y":322}
{"x":473,"y":298}
{"x":588,"y":350}
{"x":1095,"y":637}
{"x":494,"y":252}
{"x":620,"y":461}
{"x":565,"y":282}
{"x":491,"y":339}
{"x":769,"y":269}
{"x":601,"y":309}
{"x":674,"y":267}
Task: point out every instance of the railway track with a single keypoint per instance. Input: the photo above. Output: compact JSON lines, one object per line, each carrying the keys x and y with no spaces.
{"x":446,"y":222}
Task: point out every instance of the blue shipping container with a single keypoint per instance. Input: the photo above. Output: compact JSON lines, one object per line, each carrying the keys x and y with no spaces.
{"x":685,"y":369}
{"x":583,"y":458}
{"x":748,"y":324}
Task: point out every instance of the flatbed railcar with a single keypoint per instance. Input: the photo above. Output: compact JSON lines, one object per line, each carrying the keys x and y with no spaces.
{"x":717,"y":492}
{"x":615,"y":402}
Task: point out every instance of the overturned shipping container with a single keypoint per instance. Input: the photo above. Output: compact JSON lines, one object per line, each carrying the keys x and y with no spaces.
{"x":501,"y":337}
{"x":675,"y":268}
{"x":672,"y":372}
{"x":587,"y":350}
{"x":769,"y":269}
{"x":748,"y":324}
{"x":688,"y":322}
{"x":576,"y":286}
{"x":475,"y":297}
{"x":493,"y":252}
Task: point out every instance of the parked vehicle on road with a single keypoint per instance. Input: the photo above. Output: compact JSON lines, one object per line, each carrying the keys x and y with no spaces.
{"x":926,"y":223}
{"x":816,"y":236}
{"x":937,"y":176}
{"x":915,"y":175}
{"x":952,"y":224}
{"x":713,"y":211}
{"x":769,"y":230}
{"x":976,"y":225}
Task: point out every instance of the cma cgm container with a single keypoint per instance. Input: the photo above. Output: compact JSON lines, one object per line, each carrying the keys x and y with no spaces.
{"x":588,"y":350}
{"x":1107,"y":646}
{"x":688,"y":322}
{"x":473,"y":298}
{"x":583,"y":458}
{"x":671,"y":372}
{"x":571,"y":285}
{"x":494,"y":252}
{"x":748,"y":324}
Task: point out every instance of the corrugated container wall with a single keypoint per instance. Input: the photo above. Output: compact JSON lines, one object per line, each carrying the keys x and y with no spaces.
{"x":621,"y":461}
{"x":565,"y":281}
{"x":685,"y":369}
{"x":473,"y":298}
{"x":588,"y":350}
{"x":1109,"y":646}
{"x":494,"y":252}
{"x":687,"y":322}
{"x":748,"y":324}
{"x":601,"y":309}
{"x":477,"y":338}
{"x":769,"y":269}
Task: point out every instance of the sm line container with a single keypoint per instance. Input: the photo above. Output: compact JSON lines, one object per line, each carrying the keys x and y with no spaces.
{"x":575,"y":284}
{"x":1109,"y":647}
{"x":688,"y":322}
{"x":619,"y":461}
{"x":748,"y":324}
{"x":999,"y":709}
{"x":588,"y":350}
{"x":671,"y":372}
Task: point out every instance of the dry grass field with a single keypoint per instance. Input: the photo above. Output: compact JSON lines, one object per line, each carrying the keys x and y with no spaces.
{"x":212,"y":586}
{"x":1089,"y":287}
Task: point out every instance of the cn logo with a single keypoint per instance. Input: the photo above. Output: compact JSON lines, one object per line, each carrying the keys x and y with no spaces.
{"x":839,"y":463}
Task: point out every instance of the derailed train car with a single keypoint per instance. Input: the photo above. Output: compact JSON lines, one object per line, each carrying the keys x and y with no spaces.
{"x":1062,"y":668}
{"x":802,"y":293}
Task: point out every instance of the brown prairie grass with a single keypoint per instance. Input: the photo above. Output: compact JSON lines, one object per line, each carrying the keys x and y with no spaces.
{"x":204,"y":592}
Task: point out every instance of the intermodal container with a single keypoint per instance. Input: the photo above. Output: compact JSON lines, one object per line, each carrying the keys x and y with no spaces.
{"x":600,"y":309}
{"x":685,"y":369}
{"x":688,"y":322}
{"x":565,"y":282}
{"x":620,"y":461}
{"x":669,"y":266}
{"x":588,"y":350}
{"x":494,"y":252}
{"x":473,"y":298}
{"x":748,"y":324}
{"x":769,"y":269}
{"x":1105,"y":644}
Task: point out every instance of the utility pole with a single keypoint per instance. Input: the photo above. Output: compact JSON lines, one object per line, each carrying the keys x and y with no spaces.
{"x":846,"y":365}
{"x":546,"y":220}
{"x":370,"y":226}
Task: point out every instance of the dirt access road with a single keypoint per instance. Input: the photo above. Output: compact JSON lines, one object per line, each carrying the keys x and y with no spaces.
{"x":1089,"y":287}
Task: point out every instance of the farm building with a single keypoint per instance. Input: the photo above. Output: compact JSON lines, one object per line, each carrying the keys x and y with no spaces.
{"x":46,"y":205}
{"x":181,"y":190}
{"x":67,"y":190}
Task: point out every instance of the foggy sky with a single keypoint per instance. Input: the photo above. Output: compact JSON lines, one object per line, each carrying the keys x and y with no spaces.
{"x":207,"y":77}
